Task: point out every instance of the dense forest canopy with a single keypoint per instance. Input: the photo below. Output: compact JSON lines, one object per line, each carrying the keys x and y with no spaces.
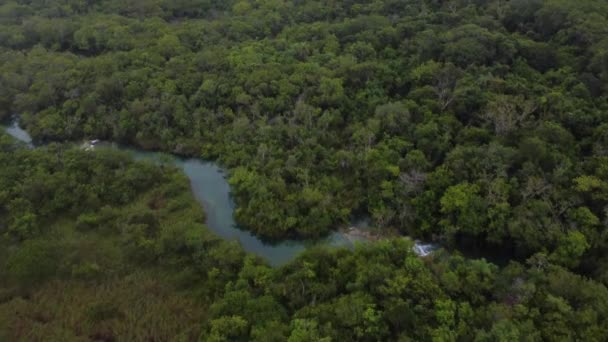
{"x":97,"y":247}
{"x":462,"y":120}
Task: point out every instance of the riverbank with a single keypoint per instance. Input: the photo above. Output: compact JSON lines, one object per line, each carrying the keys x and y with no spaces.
{"x":356,"y":234}
{"x":210,"y":188}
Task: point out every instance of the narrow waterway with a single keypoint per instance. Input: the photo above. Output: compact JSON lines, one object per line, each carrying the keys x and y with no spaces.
{"x":209,"y":185}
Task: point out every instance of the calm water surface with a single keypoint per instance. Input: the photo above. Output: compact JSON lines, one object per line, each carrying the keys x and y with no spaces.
{"x":209,"y":185}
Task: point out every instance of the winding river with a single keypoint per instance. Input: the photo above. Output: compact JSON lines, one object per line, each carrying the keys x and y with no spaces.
{"x":209,"y":185}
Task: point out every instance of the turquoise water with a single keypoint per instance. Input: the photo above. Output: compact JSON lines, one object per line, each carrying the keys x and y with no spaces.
{"x":209,"y":185}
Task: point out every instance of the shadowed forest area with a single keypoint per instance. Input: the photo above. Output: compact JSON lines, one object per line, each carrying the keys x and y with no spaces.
{"x":482,"y":121}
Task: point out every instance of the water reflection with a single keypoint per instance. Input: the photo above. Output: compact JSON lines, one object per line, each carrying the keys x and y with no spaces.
{"x":209,"y":185}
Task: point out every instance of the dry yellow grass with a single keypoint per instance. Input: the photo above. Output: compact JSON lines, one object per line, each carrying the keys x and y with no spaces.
{"x":134,"y":308}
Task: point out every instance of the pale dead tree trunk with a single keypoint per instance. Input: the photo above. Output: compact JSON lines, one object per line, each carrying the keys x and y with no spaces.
{"x":384,"y":217}
{"x":406,"y":214}
{"x":71,"y":124}
{"x":262,"y":150}
{"x":500,"y":10}
{"x":371,"y":137}
{"x":535,"y":187}
{"x":452,"y":7}
{"x":411,"y":184}
{"x":412,"y":181}
{"x":559,"y":207}
{"x":196,"y":124}
{"x":423,"y":9}
{"x":538,"y":261}
{"x":506,"y":113}
{"x":303,"y":288}
{"x":493,"y":196}
{"x":600,"y":150}
{"x":445,"y":82}
{"x":304,"y":113}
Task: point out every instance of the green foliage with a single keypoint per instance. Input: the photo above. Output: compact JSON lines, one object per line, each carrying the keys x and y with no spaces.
{"x":456,"y":120}
{"x":33,"y":263}
{"x":328,"y":99}
{"x":100,"y":219}
{"x":143,"y":266}
{"x":570,"y":249}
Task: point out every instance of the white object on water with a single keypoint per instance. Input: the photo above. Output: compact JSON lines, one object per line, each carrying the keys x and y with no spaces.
{"x":18,"y":133}
{"x":87,"y":146}
{"x":423,"y":249}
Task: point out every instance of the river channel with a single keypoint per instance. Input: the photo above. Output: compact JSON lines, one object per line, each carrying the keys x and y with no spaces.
{"x":210,"y":187}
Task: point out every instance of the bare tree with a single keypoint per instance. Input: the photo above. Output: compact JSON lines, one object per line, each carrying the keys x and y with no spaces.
{"x":536,"y":187}
{"x":444,"y":85}
{"x":452,"y":6}
{"x":412,"y":181}
{"x":506,"y":113}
